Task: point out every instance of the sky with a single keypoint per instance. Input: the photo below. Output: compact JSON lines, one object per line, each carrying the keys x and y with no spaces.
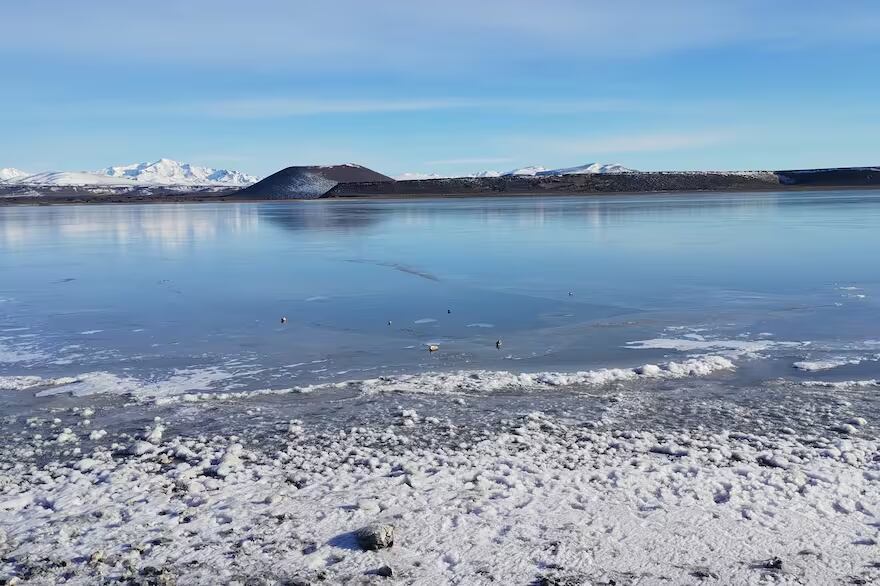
{"x":451,"y":88}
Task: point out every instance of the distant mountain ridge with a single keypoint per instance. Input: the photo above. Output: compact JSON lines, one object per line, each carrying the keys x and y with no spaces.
{"x":119,"y":184}
{"x":530,"y":171}
{"x":164,"y":172}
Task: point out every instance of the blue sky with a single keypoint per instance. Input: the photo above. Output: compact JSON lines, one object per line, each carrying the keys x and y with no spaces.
{"x":448,"y":87}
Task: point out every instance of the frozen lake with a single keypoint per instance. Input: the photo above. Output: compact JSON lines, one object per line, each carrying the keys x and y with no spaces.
{"x":157,"y":300}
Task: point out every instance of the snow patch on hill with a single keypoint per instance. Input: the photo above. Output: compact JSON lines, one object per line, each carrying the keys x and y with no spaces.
{"x":418,"y":176}
{"x":588,"y":169}
{"x":67,"y":178}
{"x":7,"y":173}
{"x":485,"y":174}
{"x":527,"y":171}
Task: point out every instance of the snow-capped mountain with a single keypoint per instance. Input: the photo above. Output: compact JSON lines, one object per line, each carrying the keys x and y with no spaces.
{"x":66,"y":178}
{"x":417,"y":176}
{"x":588,"y":169}
{"x":8,"y":173}
{"x":164,"y":172}
{"x":532,"y":170}
{"x":424,"y":176}
{"x":169,"y":172}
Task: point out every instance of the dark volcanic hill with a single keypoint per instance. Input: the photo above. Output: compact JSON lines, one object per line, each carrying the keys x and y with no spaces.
{"x":310,"y":182}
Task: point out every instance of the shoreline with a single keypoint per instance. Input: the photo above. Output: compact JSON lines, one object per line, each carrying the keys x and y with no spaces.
{"x":193,"y":198}
{"x":532,"y":498}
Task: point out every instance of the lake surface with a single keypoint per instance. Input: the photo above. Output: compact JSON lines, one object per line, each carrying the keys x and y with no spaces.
{"x":157,"y":301}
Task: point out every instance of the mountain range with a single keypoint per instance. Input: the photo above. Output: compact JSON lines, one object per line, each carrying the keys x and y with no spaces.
{"x":164,"y":172}
{"x":530,"y":171}
{"x":167,"y":180}
{"x":171,"y":173}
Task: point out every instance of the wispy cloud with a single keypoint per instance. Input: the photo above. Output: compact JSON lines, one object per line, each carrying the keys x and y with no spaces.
{"x":274,"y":107}
{"x":289,"y":107}
{"x":295,"y":106}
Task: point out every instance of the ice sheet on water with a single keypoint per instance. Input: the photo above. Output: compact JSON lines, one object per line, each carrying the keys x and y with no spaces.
{"x":178,"y":382}
{"x":818,"y":365}
{"x":730,"y":348}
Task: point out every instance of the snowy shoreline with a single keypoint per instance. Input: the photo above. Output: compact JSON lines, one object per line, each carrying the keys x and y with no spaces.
{"x":533,"y":496}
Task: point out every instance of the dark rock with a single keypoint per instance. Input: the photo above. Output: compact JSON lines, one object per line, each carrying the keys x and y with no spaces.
{"x":375,"y":536}
{"x":704,"y":573}
{"x":562,"y":580}
{"x":384,"y":571}
{"x":773,"y":563}
{"x":152,"y":576}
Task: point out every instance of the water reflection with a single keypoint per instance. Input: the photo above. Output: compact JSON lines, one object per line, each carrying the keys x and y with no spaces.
{"x":524,"y":211}
{"x":173,"y":225}
{"x":169,"y":226}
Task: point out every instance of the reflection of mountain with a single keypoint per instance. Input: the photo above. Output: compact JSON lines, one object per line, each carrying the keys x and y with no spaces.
{"x":167,"y":226}
{"x":426,"y":215}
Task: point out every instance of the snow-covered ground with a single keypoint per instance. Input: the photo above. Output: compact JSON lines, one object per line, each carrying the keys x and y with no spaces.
{"x":534,"y":496}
